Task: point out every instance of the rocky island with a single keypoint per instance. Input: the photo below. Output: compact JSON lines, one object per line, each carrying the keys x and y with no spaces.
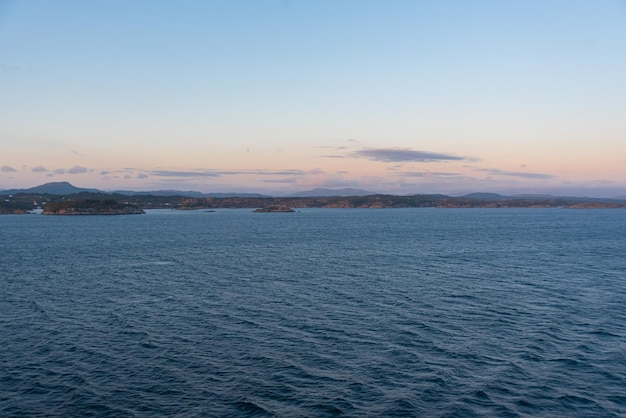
{"x":91,"y":207}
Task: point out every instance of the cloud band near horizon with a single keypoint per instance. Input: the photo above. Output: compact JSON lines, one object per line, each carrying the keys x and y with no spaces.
{"x":496,"y":172}
{"x":218,"y":173}
{"x":397,"y":155}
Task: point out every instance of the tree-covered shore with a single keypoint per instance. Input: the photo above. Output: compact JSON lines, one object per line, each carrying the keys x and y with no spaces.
{"x":105,"y":203}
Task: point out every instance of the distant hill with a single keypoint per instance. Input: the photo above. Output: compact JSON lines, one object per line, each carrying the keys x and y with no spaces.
{"x":331,"y":193}
{"x":186,"y":193}
{"x":535,"y":196}
{"x":58,"y":187}
{"x":492,"y":196}
{"x":531,"y":196}
{"x":65,"y":188}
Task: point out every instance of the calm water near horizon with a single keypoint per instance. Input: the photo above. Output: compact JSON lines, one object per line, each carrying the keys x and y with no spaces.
{"x":322,"y":312}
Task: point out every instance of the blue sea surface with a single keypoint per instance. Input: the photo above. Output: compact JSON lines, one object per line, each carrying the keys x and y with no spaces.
{"x":322,"y":312}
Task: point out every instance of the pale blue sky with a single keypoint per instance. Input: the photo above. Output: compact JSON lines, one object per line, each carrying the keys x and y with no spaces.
{"x":278,"y":96}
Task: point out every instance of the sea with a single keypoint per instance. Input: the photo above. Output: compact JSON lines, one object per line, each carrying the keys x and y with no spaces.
{"x":316,"y":313}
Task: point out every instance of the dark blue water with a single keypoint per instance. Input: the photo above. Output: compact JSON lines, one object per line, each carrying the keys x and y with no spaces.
{"x":423,"y":312}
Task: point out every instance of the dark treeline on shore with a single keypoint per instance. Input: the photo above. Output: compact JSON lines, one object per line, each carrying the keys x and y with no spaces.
{"x":25,"y":202}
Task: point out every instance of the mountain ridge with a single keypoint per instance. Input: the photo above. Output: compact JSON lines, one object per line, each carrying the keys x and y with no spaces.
{"x":322,"y":192}
{"x":55,"y":187}
{"x":185,"y":193}
{"x":66,"y":188}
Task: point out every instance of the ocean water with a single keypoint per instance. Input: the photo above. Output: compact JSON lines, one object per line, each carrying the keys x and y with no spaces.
{"x":416,"y":312}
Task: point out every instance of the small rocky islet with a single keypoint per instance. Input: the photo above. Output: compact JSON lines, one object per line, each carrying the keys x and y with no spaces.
{"x":276,"y":209}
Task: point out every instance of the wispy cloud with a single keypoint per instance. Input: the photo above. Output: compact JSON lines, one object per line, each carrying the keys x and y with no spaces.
{"x":347,"y":145}
{"x":427,"y":174}
{"x":175,"y":173}
{"x":287,"y":172}
{"x":219,"y":173}
{"x":332,"y":156}
{"x":78,"y":170}
{"x":389,"y":155}
{"x":331,"y":147}
{"x":522,"y":174}
{"x":39,"y":169}
{"x":7,"y":169}
{"x":295,"y":175}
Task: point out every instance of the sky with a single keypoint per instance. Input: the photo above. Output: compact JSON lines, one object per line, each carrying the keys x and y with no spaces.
{"x":279,"y":96}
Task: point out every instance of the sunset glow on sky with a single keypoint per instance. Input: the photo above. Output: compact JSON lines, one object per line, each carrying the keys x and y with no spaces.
{"x":279,"y":96}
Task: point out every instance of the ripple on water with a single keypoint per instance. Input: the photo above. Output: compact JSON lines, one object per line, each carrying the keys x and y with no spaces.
{"x":324,"y":313}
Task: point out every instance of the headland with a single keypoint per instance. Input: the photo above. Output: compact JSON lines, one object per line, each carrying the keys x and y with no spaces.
{"x":91,"y":207}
